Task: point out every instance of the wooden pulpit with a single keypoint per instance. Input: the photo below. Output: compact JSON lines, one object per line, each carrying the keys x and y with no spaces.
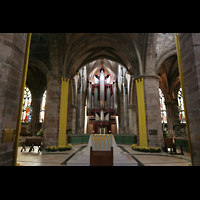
{"x":101,"y":158}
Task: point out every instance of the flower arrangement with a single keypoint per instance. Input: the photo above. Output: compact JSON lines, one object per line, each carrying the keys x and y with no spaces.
{"x":146,"y":149}
{"x":60,"y":147}
{"x":155,"y":149}
{"x":51,"y":148}
{"x":64,"y":148}
{"x":134,"y":146}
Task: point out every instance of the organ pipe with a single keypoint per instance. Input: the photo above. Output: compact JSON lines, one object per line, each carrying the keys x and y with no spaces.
{"x":102,"y":87}
{"x":95,"y":97}
{"x":101,"y":101}
{"x":102,"y":115}
{"x":89,"y":98}
{"x":115,"y":96}
{"x":111,"y":101}
{"x":108,"y":97}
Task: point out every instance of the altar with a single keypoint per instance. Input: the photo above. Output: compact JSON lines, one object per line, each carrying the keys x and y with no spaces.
{"x":102,"y":142}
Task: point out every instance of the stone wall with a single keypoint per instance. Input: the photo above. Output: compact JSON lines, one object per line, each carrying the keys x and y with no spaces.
{"x":164,"y":42}
{"x":12,"y":51}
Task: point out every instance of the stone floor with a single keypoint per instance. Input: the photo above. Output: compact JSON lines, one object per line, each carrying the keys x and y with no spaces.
{"x":60,"y":158}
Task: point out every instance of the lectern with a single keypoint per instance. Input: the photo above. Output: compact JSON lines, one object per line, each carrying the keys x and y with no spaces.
{"x":101,"y":150}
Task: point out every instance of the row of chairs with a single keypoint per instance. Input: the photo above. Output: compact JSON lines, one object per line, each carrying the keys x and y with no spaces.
{"x":31,"y":142}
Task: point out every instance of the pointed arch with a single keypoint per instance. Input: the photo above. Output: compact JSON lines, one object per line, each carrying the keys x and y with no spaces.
{"x":92,"y":46}
{"x":163,"y":57}
{"x":39,"y":64}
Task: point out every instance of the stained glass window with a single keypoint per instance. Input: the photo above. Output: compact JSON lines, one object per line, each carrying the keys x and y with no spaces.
{"x":42,"y":107}
{"x":27,"y":109}
{"x":181,"y":106}
{"x":162,"y":107}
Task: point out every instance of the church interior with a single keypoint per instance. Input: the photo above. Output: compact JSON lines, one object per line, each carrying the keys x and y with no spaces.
{"x":138,"y":91}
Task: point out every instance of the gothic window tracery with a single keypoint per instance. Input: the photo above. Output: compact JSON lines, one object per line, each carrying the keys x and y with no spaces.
{"x":181,"y":106}
{"x":26,"y":109}
{"x":162,"y":107}
{"x":42,"y":107}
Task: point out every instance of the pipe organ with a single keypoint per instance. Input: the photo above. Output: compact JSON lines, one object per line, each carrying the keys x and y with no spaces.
{"x":102,"y":103}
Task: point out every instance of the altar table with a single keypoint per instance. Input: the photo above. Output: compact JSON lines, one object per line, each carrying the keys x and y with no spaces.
{"x":102,"y":142}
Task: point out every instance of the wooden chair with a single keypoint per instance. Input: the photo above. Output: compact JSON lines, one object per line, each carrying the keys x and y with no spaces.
{"x":38,"y":143}
{"x":101,"y":158}
{"x":28,"y":142}
{"x":168,"y":143}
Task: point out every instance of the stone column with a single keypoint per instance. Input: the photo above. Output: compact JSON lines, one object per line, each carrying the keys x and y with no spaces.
{"x":71,"y":118}
{"x":123,"y":105}
{"x":121,"y":110}
{"x":190,"y":57}
{"x":78,"y":112}
{"x":34,"y":124}
{"x":80,"y":109}
{"x":152,"y":107}
{"x":126,"y":114}
{"x":170,"y":118}
{"x":132,"y":108}
{"x":52,"y":111}
{"x":132,"y":119}
{"x":175,"y":112}
{"x":125,"y":102}
{"x":12,"y":52}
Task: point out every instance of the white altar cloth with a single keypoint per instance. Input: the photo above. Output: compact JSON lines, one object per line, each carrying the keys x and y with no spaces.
{"x":116,"y":152}
{"x":120,"y":158}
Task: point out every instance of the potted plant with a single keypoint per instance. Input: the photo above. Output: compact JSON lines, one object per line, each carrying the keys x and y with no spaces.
{"x":165,"y":134}
{"x":40,"y":132}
